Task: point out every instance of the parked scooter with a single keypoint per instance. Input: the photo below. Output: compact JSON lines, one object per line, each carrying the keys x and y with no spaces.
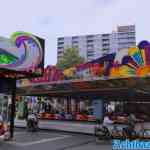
{"x":32,"y":122}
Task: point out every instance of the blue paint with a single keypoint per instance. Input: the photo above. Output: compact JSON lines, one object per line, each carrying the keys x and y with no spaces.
{"x":98,"y":108}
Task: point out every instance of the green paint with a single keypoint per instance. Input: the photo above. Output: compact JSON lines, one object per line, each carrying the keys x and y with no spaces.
{"x":7,"y":59}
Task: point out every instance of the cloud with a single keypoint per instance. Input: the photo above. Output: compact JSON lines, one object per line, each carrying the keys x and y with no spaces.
{"x":45,"y":20}
{"x":53,"y":18}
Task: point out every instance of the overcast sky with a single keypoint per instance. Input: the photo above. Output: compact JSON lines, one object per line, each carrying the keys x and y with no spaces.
{"x":54,"y":18}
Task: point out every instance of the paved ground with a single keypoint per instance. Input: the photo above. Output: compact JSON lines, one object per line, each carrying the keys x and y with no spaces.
{"x":50,"y":140}
{"x":70,"y":126}
{"x":79,"y":127}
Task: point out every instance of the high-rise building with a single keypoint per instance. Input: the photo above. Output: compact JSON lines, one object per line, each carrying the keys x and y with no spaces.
{"x":93,"y":46}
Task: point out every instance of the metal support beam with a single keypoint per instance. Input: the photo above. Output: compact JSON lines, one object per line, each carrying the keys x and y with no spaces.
{"x":99,"y":108}
{"x":68,"y":104}
{"x":13,"y":108}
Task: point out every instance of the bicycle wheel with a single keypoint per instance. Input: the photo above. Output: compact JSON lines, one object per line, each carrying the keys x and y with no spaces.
{"x":114,"y":133}
{"x":140,"y":134}
{"x":146,"y":134}
{"x":134,"y":135}
{"x":125,"y":133}
{"x":95,"y":131}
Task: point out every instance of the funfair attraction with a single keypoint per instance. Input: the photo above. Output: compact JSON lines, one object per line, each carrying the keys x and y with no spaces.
{"x":117,"y":82}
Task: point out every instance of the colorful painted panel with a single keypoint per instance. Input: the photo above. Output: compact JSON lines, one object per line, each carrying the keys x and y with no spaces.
{"x":132,"y":62}
{"x":23,"y":52}
{"x":136,"y":62}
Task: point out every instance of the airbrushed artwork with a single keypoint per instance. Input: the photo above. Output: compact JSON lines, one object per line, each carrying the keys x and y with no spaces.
{"x":23,"y":53}
{"x":132,"y":62}
{"x":126,"y":63}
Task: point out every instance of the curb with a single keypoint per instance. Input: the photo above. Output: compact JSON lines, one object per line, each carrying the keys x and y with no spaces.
{"x":57,"y":130}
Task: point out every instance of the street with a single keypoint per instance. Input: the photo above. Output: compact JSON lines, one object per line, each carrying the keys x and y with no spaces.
{"x":46,"y":140}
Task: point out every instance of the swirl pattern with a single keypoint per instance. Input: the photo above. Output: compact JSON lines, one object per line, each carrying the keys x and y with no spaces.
{"x":23,"y":52}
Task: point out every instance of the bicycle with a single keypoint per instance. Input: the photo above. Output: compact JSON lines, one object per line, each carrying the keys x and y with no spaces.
{"x":143,"y":133}
{"x":104,"y":133}
{"x":131,"y":133}
{"x":116,"y":132}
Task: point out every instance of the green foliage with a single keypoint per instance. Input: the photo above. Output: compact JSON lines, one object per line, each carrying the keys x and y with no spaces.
{"x":70,"y":58}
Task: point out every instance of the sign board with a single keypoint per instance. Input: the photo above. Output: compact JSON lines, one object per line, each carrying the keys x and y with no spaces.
{"x":23,"y":54}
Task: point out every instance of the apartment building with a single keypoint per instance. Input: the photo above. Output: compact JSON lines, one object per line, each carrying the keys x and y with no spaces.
{"x":94,"y":46}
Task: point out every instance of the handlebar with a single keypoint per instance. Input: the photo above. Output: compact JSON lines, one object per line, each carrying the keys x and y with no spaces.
{"x":140,"y":121}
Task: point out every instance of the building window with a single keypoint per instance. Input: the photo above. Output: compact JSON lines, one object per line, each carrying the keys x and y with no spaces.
{"x":105,"y":35}
{"x":60,"y":39}
{"x":126,"y":34}
{"x":131,"y":34}
{"x":90,"y":51}
{"x":123,"y":34}
{"x":90,"y":41}
{"x":123,"y":43}
{"x":75,"y":37}
{"x":59,"y":57}
{"x":60,"y":47}
{"x":131,"y":37}
{"x":90,"y":36}
{"x":74,"y":42}
{"x":105,"y":49}
{"x":132,"y":43}
{"x":126,"y":28}
{"x":126,"y":38}
{"x":60,"y":43}
{"x":90,"y":55}
{"x":127,"y":43}
{"x":60,"y":52}
{"x":90,"y":46}
{"x":105,"y":40}
{"x":105,"y":45}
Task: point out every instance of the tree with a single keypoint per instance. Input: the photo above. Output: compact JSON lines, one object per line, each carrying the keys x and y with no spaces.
{"x":70,"y":58}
